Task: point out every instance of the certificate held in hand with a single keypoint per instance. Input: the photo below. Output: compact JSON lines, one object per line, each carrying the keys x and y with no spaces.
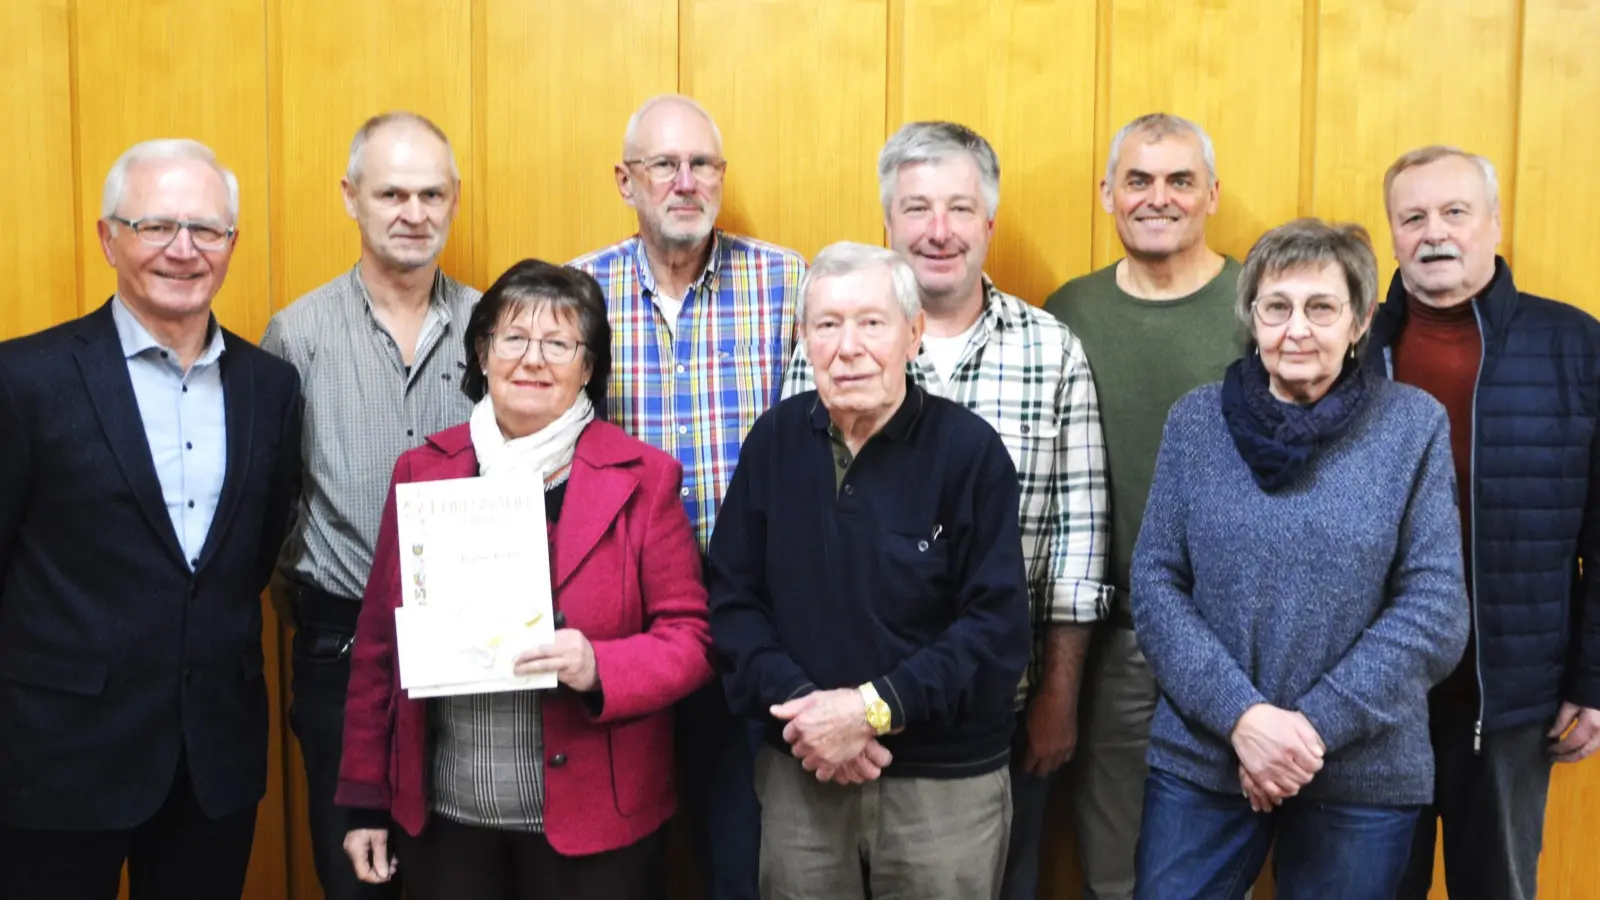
{"x":475,"y":572}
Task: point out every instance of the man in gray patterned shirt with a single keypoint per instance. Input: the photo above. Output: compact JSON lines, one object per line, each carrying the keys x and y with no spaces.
{"x":380,"y":355}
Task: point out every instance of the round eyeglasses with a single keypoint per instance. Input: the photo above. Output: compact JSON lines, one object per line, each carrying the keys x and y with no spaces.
{"x":1274,"y":311}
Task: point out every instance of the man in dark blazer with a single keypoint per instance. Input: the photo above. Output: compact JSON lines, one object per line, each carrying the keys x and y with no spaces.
{"x":150,"y":460}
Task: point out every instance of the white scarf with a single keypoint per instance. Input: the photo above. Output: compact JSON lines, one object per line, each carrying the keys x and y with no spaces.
{"x":546,"y":453}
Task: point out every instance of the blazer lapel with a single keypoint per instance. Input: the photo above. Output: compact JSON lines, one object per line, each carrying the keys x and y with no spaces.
{"x":105,"y":374}
{"x":595,"y":495}
{"x":239,"y":403}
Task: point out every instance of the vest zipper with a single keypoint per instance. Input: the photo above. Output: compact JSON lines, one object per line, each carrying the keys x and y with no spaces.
{"x":1477,"y":645}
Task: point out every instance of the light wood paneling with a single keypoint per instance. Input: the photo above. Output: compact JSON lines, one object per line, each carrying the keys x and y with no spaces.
{"x":557,"y":85}
{"x":999,"y":68}
{"x":1393,"y":75}
{"x":163,"y":68}
{"x":1233,"y":67}
{"x":1557,"y":173}
{"x":333,"y":67}
{"x":798,"y":88}
{"x":39,"y":246}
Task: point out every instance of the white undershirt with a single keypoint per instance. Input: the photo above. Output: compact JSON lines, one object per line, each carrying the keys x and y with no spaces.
{"x":670,"y":307}
{"x":945,"y":352}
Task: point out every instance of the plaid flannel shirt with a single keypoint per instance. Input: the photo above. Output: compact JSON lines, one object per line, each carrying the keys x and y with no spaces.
{"x":1027,"y":375}
{"x":695,"y":390}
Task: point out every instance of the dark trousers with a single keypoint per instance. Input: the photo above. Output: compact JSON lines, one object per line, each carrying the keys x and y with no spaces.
{"x":179,"y":854}
{"x":1197,"y":844}
{"x":452,"y":861}
{"x":1030,"y":797}
{"x":1492,"y":805}
{"x":716,"y":776}
{"x":321,"y":660}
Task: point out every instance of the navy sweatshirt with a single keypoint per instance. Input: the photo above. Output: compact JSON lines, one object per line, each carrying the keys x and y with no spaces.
{"x":909,"y":574}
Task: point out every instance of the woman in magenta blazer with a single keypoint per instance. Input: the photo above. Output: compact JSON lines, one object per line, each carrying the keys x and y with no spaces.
{"x":558,"y":793}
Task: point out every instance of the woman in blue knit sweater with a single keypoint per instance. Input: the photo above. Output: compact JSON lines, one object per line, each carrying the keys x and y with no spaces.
{"x":1297,"y":590}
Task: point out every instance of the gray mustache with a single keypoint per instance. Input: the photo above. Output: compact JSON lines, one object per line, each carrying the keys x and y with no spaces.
{"x":1431,"y":252}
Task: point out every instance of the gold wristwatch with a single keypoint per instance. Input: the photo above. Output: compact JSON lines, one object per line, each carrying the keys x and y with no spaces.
{"x":878,"y":715}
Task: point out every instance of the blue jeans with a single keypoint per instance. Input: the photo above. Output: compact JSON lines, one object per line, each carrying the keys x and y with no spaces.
{"x":1197,"y":844}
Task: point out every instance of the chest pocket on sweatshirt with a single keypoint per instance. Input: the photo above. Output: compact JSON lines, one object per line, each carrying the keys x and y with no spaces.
{"x":915,"y":574}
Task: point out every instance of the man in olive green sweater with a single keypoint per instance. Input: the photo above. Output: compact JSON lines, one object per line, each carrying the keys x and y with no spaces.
{"x":1155,"y":325}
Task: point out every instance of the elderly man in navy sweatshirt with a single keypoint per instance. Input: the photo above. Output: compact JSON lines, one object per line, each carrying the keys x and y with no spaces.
{"x":868,"y":594}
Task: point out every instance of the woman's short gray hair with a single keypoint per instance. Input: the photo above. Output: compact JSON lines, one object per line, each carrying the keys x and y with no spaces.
{"x":933,"y":142}
{"x":848,"y":258}
{"x":1306,"y":243}
{"x":1154,"y":127}
{"x":155,"y":151}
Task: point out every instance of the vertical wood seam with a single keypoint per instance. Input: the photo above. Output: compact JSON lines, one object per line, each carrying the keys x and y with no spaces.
{"x":1509,"y":173}
{"x":79,"y":251}
{"x":478,"y":258}
{"x":1102,"y":129}
{"x":1310,"y":66}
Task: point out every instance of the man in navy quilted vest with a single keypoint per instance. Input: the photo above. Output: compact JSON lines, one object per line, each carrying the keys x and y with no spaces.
{"x":1520,"y":377}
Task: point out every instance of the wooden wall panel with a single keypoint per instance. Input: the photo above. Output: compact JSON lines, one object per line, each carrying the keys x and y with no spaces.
{"x":1233,"y":67}
{"x":1557,"y":174}
{"x":163,"y":68}
{"x":1393,"y":75}
{"x":333,"y":67}
{"x":1021,"y":73}
{"x":557,"y":83}
{"x":798,"y":88}
{"x":39,"y":246}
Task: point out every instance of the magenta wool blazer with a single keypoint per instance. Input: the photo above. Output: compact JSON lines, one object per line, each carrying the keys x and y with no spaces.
{"x":626,"y":573}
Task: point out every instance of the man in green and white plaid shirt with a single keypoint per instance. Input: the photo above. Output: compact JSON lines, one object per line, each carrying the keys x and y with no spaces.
{"x":1023,"y":372}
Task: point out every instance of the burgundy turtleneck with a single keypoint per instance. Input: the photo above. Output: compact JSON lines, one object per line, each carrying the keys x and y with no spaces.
{"x":1440,"y":350}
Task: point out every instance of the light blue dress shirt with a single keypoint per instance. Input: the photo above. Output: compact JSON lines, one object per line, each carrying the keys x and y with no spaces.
{"x":185,"y":423}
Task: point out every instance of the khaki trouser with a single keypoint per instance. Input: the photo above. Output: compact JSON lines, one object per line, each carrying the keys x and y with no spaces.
{"x":1108,"y":771}
{"x":904,"y":838}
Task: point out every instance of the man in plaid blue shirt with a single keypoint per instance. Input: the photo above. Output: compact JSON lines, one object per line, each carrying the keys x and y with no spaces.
{"x":702,"y":322}
{"x":1023,"y":372}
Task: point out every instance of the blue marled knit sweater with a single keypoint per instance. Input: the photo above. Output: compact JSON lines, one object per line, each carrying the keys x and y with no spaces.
{"x":1339,"y":595}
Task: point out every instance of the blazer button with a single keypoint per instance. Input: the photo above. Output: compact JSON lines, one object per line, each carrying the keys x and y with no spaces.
{"x":557,"y":761}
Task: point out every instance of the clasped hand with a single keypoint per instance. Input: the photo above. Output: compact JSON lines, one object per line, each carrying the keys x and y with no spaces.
{"x":1279,"y":753}
{"x":828,"y":732}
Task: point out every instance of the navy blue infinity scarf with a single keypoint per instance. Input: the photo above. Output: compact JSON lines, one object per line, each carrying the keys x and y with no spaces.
{"x":1276,"y":439}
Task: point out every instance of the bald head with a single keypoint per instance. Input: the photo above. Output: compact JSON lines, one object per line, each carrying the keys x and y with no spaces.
{"x":674,"y":113}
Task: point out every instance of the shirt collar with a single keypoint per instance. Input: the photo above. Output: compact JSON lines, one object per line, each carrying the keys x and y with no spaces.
{"x":999,"y":313}
{"x":899,"y":426}
{"x":137,"y":340}
{"x":438,"y":308}
{"x":647,"y":278}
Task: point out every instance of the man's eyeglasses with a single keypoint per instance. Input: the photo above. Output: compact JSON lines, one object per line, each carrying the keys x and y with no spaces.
{"x":556,"y":351}
{"x":662,"y":169}
{"x":159,"y":232}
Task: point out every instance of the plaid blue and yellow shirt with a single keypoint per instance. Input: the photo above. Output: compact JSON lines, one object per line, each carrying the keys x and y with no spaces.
{"x":1025,"y":374}
{"x":695,"y":390}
